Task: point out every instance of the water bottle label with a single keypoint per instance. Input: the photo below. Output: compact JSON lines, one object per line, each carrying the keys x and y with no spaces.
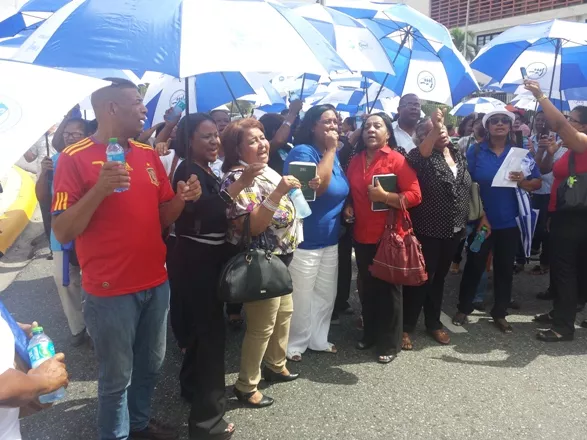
{"x":117,"y":157}
{"x":40,"y":352}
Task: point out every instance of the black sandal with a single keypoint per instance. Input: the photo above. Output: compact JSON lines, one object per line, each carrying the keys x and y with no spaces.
{"x":544,"y":318}
{"x":385,"y":359}
{"x":503,"y":325}
{"x":551,"y":336}
{"x":460,"y":319}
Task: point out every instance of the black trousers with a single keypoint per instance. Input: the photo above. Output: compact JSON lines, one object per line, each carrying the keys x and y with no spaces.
{"x":541,"y":235}
{"x":438,"y":254}
{"x":505,"y":244}
{"x":568,"y":266}
{"x":179,"y":316}
{"x":202,"y":371}
{"x":45,"y":208}
{"x":458,"y":256}
{"x":345,"y":271}
{"x":382,"y":306}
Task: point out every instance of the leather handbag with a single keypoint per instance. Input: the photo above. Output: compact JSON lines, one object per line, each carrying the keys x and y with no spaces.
{"x":571,"y":194}
{"x":399,"y":259}
{"x":475,"y":204}
{"x":255,"y":274}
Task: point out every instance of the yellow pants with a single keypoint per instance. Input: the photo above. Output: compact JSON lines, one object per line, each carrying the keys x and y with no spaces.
{"x":265,"y":339}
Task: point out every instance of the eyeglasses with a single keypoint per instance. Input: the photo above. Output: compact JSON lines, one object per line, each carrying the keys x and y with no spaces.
{"x":571,"y":119}
{"x":504,"y":120}
{"x":414,"y":105}
{"x":73,"y":135}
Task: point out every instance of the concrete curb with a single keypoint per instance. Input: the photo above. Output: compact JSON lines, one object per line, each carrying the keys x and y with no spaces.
{"x":18,"y":214}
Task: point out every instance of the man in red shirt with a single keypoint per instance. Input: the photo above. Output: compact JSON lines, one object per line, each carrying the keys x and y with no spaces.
{"x":122,"y":256}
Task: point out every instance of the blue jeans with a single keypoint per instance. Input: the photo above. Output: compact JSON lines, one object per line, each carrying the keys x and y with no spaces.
{"x":129,"y":335}
{"x":481,"y":289}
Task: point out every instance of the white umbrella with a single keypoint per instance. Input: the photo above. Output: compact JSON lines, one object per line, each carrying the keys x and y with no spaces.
{"x":32,"y":98}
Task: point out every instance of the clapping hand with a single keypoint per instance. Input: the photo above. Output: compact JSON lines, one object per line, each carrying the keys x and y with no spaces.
{"x":190,"y":191}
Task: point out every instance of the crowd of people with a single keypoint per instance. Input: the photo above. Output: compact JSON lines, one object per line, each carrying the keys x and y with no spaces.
{"x":152,"y":236}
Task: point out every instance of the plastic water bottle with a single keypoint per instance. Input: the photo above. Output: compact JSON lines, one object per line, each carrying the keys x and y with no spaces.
{"x":40,"y":349}
{"x":302,"y":208}
{"x":178,"y":109}
{"x":115,"y":153}
{"x":479,"y":239}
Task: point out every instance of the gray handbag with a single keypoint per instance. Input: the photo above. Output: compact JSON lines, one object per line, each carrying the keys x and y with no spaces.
{"x":475,"y":204}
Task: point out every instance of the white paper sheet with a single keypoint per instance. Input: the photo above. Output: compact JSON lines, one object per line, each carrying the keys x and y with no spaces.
{"x":512,"y":162}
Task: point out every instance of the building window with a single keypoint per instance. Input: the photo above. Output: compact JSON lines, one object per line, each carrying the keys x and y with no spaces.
{"x":482,"y":40}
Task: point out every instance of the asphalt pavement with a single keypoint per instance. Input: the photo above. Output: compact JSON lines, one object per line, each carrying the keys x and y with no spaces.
{"x":484,"y":385}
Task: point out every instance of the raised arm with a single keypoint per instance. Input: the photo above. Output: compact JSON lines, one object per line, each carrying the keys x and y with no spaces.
{"x":283,"y":133}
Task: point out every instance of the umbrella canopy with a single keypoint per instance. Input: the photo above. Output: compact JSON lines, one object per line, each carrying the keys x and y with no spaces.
{"x":424,"y":57}
{"x":142,"y":35}
{"x":357,"y":46}
{"x":554,"y":53}
{"x":23,"y":116}
{"x":207,"y":91}
{"x":30,"y":16}
{"x":476,"y":105}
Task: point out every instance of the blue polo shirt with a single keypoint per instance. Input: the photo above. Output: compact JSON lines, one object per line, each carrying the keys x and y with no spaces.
{"x":500,"y":204}
{"x":321,"y":228}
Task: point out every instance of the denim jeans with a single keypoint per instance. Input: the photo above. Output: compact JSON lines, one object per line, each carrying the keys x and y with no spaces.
{"x":129,"y":335}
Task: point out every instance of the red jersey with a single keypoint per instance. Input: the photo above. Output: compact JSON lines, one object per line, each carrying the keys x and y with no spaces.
{"x":122,"y":250}
{"x":369,"y":224}
{"x":560,"y":171}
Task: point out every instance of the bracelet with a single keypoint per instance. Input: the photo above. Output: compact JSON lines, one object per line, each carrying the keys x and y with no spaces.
{"x":270,"y":205}
{"x":541,"y":98}
{"x":286,"y":123}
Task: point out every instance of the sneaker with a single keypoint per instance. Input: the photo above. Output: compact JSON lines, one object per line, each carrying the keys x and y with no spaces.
{"x":79,"y":339}
{"x":155,"y":431}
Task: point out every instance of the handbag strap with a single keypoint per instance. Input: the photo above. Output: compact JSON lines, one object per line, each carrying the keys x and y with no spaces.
{"x":572,"y":170}
{"x":404,"y":215}
{"x":246,"y":237}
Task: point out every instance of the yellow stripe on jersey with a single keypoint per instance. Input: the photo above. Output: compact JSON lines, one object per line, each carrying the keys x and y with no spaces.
{"x":141,"y":145}
{"x":80,"y":148}
{"x":77,"y":146}
{"x":60,"y":201}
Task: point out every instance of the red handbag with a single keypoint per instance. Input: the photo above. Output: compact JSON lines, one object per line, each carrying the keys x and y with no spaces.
{"x":399,"y":259}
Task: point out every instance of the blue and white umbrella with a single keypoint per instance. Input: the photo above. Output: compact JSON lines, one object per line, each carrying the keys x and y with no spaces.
{"x":554,"y":53}
{"x":24,"y":117}
{"x":29,"y":16}
{"x":476,"y":105}
{"x":207,"y":91}
{"x":528,"y":102}
{"x":180,"y":38}
{"x":424,"y":57}
{"x":356,"y":45}
{"x":526,"y":220}
{"x":360,"y":100}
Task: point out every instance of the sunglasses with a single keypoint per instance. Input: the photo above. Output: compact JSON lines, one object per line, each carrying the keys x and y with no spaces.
{"x":504,"y":120}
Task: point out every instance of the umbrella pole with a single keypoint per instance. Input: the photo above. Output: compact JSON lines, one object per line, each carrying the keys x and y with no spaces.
{"x":188,"y":151}
{"x":556,"y":52}
{"x":47,"y":144}
{"x":366,"y":94}
{"x":303,"y":84}
{"x":232,"y":94}
{"x":402,"y":44}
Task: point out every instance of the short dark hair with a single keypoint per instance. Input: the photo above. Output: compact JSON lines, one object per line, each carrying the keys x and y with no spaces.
{"x":271,"y":123}
{"x":121,"y":83}
{"x":231,"y":138}
{"x":351,"y":122}
{"x":82,"y":122}
{"x":391,"y":142}
{"x":582,"y":110}
{"x":463,"y":124}
{"x":92,"y":126}
{"x":191,"y":123}
{"x":304,"y":133}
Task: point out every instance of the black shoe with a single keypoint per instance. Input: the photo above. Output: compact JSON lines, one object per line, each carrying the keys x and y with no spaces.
{"x":244,"y":398}
{"x":79,"y":339}
{"x":515,"y":305}
{"x":364,"y":345}
{"x":479,"y":306}
{"x":544,"y":318}
{"x":272,"y":376}
{"x":155,"y":431}
{"x":546,"y":295}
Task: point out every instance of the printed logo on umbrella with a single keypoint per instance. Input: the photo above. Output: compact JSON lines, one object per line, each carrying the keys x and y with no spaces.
{"x":177,"y":96}
{"x":10,"y":113}
{"x":426,"y":81}
{"x":536,"y":70}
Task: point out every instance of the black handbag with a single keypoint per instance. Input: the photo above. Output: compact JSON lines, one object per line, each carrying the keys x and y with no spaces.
{"x":571,"y":195}
{"x":255,"y":274}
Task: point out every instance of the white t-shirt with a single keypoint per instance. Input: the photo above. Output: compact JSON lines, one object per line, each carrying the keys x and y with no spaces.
{"x":403,"y":139}
{"x":9,"y":425}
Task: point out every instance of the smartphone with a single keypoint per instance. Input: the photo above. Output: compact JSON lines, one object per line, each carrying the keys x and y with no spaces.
{"x":524,"y":72}
{"x":519,"y":139}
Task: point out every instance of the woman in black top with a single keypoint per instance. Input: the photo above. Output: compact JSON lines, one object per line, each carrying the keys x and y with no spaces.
{"x":439,"y":221}
{"x":199,"y":255}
